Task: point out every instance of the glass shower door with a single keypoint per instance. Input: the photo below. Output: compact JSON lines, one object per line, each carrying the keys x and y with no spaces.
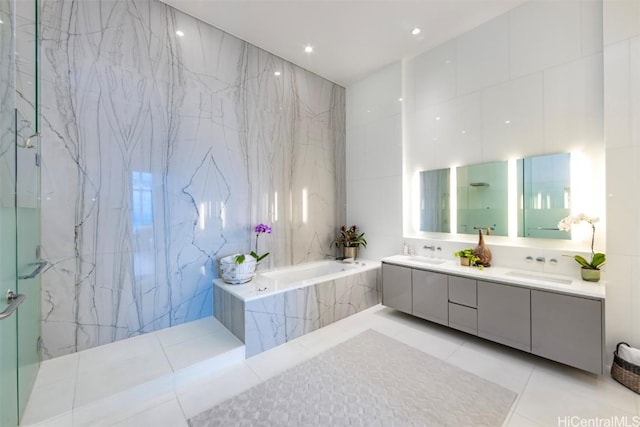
{"x":29,"y":265}
{"x":19,"y":209}
{"x":8,"y":275}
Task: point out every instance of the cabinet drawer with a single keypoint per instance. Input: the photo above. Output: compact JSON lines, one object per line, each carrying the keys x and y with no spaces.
{"x":463,"y":291}
{"x":463,"y":318}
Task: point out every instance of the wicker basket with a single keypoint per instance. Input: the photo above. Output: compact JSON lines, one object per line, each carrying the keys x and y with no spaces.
{"x":624,"y":372}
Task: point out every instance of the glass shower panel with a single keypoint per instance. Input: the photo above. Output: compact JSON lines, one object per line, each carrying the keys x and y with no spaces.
{"x":27,"y":191}
{"x":29,"y":264}
{"x":8,"y":325}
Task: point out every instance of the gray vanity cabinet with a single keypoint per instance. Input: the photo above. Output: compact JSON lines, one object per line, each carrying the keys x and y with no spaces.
{"x":567,"y":329}
{"x":430,"y":296}
{"x":396,"y":287}
{"x":504,"y":314}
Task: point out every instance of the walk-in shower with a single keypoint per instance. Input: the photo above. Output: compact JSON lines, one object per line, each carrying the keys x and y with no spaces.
{"x":20,"y":264}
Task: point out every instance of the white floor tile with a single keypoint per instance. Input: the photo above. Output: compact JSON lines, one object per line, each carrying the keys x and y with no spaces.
{"x":49,"y":400}
{"x":60,"y":368}
{"x":132,"y":383}
{"x":64,"y":420}
{"x":430,"y":340}
{"x":215,"y":389}
{"x":496,"y":363}
{"x":206,"y":368}
{"x":118,"y":353}
{"x":324,"y":338}
{"x":278,"y":360}
{"x":518,"y":420}
{"x":103,"y":381}
{"x":602,"y":389}
{"x":120,"y":406}
{"x":188,"y":331}
{"x":167,"y":414}
{"x":200,"y":348}
{"x":549,"y":397}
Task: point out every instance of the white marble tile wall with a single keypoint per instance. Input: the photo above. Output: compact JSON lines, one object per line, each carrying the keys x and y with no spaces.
{"x":538,"y":66}
{"x":622,"y":136}
{"x":160,"y":154}
{"x":374,"y":153}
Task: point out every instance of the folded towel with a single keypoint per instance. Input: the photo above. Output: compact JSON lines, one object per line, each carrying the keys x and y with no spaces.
{"x":630,"y":354}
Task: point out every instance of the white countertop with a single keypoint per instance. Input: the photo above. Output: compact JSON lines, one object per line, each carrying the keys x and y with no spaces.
{"x":531,"y":279}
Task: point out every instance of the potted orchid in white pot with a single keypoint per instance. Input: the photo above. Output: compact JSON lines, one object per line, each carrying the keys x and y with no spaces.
{"x":241,"y":268}
{"x":590,"y":270}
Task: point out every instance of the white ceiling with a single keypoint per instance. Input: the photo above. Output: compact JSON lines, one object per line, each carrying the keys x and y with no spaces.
{"x":351,"y":39}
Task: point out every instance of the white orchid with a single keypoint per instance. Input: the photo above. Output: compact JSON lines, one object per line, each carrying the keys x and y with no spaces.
{"x":597,"y":259}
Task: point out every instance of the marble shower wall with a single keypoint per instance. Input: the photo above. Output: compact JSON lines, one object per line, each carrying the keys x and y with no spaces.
{"x":159,"y":155}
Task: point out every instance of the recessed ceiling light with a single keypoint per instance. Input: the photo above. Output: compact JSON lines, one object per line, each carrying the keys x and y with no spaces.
{"x":416,"y":31}
{"x":1,"y":21}
{"x":506,"y":122}
{"x":179,"y":33}
{"x":400,"y":100}
{"x":308,"y":49}
{"x":277,"y":73}
{"x":437,"y":118}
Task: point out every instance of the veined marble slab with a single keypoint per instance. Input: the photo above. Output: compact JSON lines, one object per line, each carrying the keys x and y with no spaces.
{"x":160,"y":153}
{"x":277,"y":317}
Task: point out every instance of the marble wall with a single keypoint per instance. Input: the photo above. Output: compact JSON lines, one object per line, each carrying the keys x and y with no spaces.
{"x":267,"y":322}
{"x":159,"y":154}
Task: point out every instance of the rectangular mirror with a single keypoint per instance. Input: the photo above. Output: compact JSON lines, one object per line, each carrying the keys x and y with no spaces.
{"x":482,"y":198}
{"x":434,"y":201}
{"x":544,"y":195}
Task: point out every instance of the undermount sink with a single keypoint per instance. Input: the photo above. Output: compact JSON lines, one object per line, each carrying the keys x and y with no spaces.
{"x":423,"y":260}
{"x":536,"y":276}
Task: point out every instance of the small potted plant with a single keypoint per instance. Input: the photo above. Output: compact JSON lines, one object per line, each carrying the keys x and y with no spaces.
{"x":590,"y":270}
{"x":349,"y":239}
{"x":241,"y":268}
{"x":467,"y":257}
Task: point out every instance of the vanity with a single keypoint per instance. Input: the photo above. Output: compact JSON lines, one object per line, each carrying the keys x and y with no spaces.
{"x":556,"y":317}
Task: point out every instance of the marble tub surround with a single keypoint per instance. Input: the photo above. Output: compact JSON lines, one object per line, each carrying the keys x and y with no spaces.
{"x":159,"y":154}
{"x":263,"y":320}
{"x":501,"y":274}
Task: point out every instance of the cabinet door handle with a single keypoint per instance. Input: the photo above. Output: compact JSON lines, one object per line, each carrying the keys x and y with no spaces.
{"x":14,"y":301}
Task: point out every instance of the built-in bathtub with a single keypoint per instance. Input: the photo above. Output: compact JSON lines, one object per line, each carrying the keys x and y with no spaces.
{"x":283,"y":304}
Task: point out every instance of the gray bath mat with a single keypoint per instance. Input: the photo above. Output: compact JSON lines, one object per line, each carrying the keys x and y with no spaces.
{"x":368,"y":380}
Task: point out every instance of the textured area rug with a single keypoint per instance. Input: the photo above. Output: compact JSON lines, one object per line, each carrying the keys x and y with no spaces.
{"x":368,"y":380}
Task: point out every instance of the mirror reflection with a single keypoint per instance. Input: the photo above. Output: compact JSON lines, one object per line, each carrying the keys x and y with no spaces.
{"x":544,"y":195}
{"x":482,"y":198}
{"x":434,"y":201}
{"x":544,"y":198}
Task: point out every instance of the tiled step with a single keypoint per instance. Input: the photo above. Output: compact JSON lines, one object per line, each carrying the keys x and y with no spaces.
{"x":104,"y":384}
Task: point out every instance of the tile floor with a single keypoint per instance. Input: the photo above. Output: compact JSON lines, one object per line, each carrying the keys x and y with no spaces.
{"x":163,"y":379}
